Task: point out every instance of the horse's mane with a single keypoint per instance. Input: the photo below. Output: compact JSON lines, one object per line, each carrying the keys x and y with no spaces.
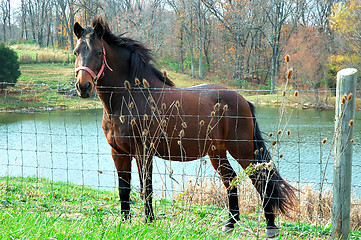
{"x":141,"y":56}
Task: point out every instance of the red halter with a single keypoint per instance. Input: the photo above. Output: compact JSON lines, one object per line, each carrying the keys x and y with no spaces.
{"x":101,"y":71}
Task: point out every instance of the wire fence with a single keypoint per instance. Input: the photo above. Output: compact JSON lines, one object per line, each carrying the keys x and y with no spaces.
{"x":49,"y":136}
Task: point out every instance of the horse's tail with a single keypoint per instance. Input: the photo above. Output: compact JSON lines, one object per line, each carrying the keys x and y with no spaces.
{"x":275,"y":192}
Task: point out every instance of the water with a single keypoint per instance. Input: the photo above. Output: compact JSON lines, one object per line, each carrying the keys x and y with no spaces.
{"x":70,"y":146}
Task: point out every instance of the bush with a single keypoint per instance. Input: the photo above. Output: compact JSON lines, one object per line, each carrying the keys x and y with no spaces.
{"x":9,"y":71}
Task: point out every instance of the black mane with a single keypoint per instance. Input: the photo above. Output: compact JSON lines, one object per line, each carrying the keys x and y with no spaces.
{"x":141,"y":56}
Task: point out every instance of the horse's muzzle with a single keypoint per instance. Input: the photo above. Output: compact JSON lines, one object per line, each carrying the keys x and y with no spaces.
{"x":84,"y":90}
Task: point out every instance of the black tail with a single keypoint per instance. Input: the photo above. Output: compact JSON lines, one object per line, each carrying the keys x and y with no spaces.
{"x":275,"y":192}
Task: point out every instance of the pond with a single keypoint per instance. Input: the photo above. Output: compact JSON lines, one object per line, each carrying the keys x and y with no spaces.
{"x":69,"y":146}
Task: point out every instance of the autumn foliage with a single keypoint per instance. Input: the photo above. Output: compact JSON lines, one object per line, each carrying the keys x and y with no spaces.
{"x":307,"y":49}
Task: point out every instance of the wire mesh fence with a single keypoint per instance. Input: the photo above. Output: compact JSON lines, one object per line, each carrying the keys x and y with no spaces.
{"x":53,"y":142}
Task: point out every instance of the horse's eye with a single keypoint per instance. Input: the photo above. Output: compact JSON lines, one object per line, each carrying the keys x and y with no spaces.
{"x":76,"y":53}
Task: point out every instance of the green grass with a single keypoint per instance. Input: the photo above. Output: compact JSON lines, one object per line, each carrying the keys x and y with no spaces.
{"x":37,"y":89}
{"x":36,"y":208}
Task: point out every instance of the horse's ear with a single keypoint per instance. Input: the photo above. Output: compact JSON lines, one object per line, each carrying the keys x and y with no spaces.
{"x":78,"y":30}
{"x":99,"y":30}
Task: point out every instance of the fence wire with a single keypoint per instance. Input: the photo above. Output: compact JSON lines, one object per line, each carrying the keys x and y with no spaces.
{"x":50,"y":135}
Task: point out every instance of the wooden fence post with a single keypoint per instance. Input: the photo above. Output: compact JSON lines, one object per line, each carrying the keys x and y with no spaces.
{"x":344,"y":115}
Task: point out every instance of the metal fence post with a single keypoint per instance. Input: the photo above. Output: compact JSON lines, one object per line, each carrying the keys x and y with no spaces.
{"x":344,"y":115}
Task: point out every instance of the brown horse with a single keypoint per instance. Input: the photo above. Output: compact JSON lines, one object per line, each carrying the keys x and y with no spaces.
{"x":145,"y":115}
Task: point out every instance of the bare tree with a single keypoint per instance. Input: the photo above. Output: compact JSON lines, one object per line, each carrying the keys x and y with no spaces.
{"x":278,"y":14}
{"x":184,"y":11}
{"x":232,"y":15}
{"x":66,"y":10}
{"x":5,"y":16}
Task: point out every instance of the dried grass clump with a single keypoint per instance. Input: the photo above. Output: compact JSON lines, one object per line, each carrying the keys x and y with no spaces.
{"x":311,"y":207}
{"x":203,"y":192}
{"x":209,"y":192}
{"x":355,"y":223}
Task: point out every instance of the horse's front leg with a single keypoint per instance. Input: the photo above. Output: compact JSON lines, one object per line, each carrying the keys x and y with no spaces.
{"x":123,"y":164}
{"x":145,"y":170}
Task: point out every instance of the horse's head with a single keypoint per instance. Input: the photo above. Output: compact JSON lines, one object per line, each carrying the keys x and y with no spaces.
{"x":90,"y":58}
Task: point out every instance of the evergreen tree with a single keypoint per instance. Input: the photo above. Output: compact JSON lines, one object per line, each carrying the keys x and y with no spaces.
{"x":9,"y":70}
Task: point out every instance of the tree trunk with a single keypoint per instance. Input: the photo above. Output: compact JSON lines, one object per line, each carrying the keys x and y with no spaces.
{"x":199,"y":16}
{"x":181,"y":54}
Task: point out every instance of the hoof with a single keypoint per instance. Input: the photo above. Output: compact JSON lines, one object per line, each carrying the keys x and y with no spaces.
{"x":272,"y":232}
{"x":227,"y":229}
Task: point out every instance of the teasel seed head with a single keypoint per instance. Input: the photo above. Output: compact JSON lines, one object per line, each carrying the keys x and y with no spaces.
{"x":287,"y":58}
{"x":99,"y":171}
{"x":181,"y":133}
{"x":256,"y":152}
{"x":132,"y":122}
{"x":122,"y":119}
{"x":145,"y":132}
{"x":351,"y":140}
{"x":151,"y":145}
{"x":164,"y":122}
{"x":350,"y":123}
{"x":165,"y":74}
{"x":281,"y":155}
{"x":164,"y":106}
{"x":261,"y":149}
{"x":274,"y":143}
{"x":131,"y":105}
{"x":225,"y":107}
{"x":201,"y":122}
{"x":127,"y":85}
{"x":177,"y":104}
{"x":324,"y":140}
{"x":145,"y":117}
{"x":179,"y":142}
{"x":145,"y":83}
{"x":288,"y":132}
{"x":296,"y":93}
{"x":213,"y":113}
{"x":283,"y":93}
{"x":184,"y":125}
{"x":137,"y":81}
{"x":279,"y":132}
{"x":216,"y":106}
{"x":213,"y":148}
{"x":343,"y":100}
{"x":270,"y":134}
{"x":349,"y":97}
{"x":152,"y":109}
{"x":289,"y":73}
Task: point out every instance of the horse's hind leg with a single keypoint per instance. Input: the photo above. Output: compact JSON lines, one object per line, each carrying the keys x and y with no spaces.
{"x":223,"y":167}
{"x":243,"y":153}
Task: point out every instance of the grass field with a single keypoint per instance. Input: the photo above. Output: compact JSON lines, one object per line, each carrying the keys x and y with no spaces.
{"x":32,"y":208}
{"x":38,"y":87}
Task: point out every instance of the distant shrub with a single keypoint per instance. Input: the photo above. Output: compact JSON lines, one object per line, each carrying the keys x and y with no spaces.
{"x":9,"y":71}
